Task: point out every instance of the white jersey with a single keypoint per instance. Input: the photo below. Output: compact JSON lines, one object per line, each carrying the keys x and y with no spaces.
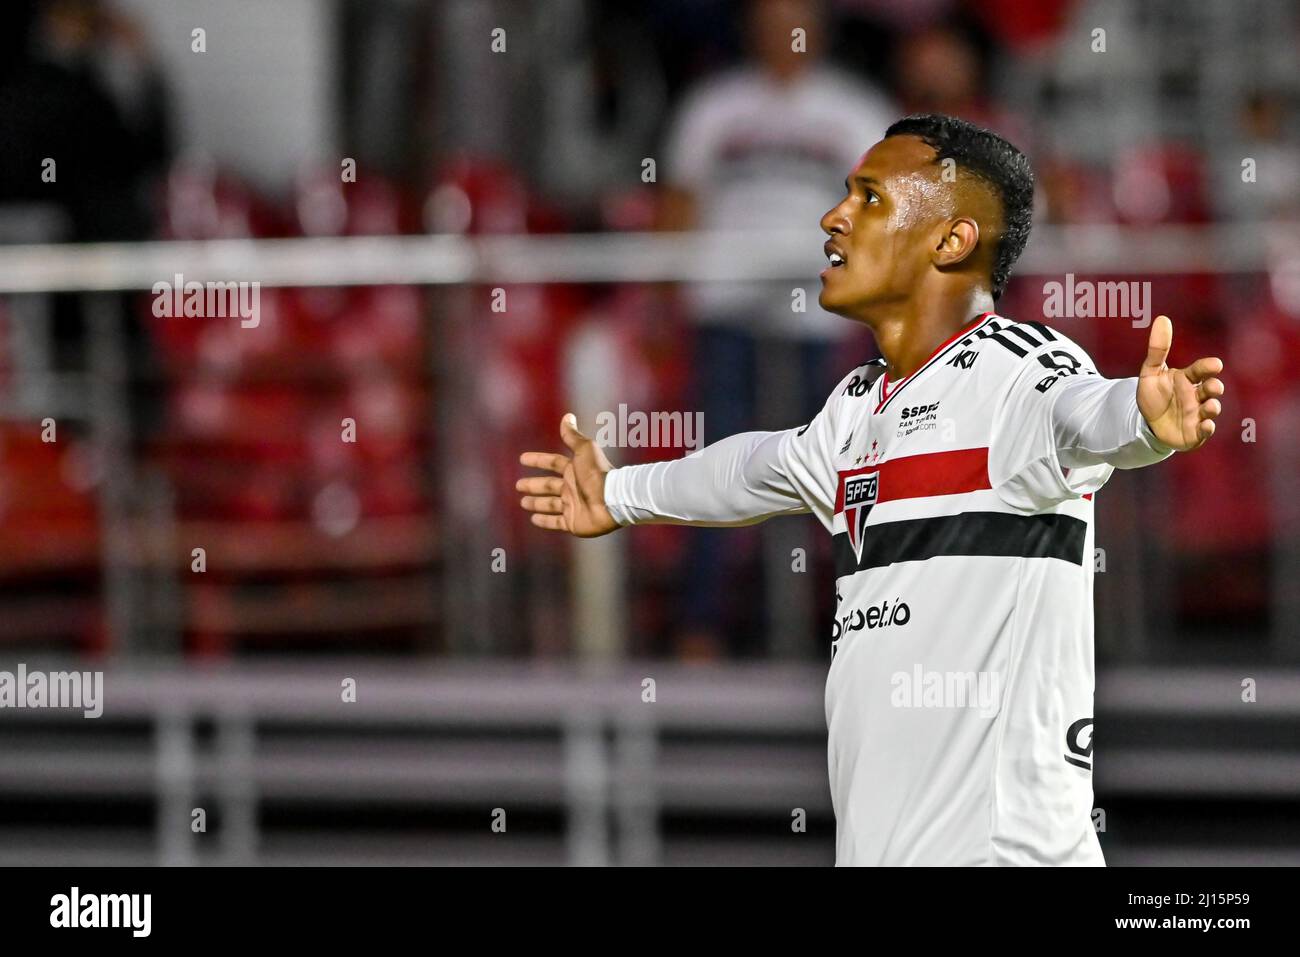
{"x":959,"y":697}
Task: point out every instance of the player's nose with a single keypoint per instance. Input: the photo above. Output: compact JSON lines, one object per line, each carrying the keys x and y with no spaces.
{"x":835,"y":222}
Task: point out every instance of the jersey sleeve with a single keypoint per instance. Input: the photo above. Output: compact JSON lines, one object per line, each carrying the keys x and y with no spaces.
{"x":1098,"y":421}
{"x":807,"y":458}
{"x":1025,"y":466}
{"x":739,"y":480}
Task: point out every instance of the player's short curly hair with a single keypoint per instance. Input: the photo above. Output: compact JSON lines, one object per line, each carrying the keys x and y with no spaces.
{"x":994,"y":160}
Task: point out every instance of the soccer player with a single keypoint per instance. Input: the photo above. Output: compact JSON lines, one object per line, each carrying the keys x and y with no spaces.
{"x":956,"y":476}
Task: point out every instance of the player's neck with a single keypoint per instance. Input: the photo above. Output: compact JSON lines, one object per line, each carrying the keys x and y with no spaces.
{"x":909,"y":334}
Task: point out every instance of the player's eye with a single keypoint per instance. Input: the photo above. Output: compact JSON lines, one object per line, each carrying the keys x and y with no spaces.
{"x":872,"y":198}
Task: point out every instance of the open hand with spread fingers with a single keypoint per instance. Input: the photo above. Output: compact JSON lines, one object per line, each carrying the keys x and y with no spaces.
{"x":1180,"y":405}
{"x":573,"y":499}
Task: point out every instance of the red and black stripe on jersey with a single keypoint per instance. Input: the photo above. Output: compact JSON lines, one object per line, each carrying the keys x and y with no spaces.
{"x":974,"y":533}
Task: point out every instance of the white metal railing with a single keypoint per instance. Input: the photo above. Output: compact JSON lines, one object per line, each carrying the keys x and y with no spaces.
{"x":448,"y":261}
{"x":742,"y":742}
{"x":603,"y":257}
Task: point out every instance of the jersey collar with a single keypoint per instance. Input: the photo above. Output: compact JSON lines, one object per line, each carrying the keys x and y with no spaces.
{"x":886,"y":393}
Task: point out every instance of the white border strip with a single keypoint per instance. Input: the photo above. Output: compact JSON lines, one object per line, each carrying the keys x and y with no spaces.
{"x":603,"y":257}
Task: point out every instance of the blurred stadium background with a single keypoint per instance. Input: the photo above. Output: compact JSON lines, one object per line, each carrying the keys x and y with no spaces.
{"x":495,"y":666}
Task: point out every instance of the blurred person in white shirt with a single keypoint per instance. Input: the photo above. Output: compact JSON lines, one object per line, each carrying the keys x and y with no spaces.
{"x":761,"y":146}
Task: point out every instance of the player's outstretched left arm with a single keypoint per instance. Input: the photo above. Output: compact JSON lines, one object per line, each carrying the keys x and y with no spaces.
{"x":1179,"y":405}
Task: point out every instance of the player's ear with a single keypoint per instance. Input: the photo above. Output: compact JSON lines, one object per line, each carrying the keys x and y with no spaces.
{"x":957,"y":241}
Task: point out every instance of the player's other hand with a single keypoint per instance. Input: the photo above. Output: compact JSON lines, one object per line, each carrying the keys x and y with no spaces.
{"x":1180,"y":405}
{"x":573,"y":499}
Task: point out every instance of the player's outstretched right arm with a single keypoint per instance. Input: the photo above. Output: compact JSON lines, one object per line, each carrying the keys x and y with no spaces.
{"x":739,"y":480}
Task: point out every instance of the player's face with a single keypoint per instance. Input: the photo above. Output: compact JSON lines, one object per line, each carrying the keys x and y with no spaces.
{"x":882,"y":232}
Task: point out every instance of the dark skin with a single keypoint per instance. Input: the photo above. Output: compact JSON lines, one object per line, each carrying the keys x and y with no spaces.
{"x":918,"y":243}
{"x":916,"y":259}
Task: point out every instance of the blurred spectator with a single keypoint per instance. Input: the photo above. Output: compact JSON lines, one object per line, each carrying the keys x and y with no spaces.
{"x":764,"y":146}
{"x":89,"y":98}
{"x":938,"y":69}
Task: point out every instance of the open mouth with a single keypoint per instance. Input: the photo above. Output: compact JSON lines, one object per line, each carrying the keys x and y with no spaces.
{"x":834,"y":256}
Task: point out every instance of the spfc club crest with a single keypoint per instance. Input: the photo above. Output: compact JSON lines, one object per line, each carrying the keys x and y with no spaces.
{"x":859,"y":495}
